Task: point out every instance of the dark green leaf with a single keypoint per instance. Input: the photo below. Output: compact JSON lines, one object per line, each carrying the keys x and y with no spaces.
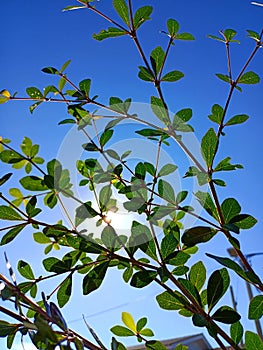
{"x":83,"y":212}
{"x":141,"y":279}
{"x":209,"y":146}
{"x":225,"y":165}
{"x":159,"y":109}
{"x":199,"y":320}
{"x":255,"y":311}
{"x":111,"y":32}
{"x":121,"y":331}
{"x":154,"y":345}
{"x":25,"y":270}
{"x":197,"y":275}
{"x":191,"y":288}
{"x":64,"y":291}
{"x":243,"y":221}
{"x":8,"y":213}
{"x":181,"y":196}
{"x":171,"y":300}
{"x":11,"y":234}
{"x":253,"y":35}
{"x":105,"y":137}
{"x":53,"y":264}
{"x":7,"y":328}
{"x":249,"y":78}
{"x":168,"y":245}
{"x":223,"y":77}
{"x":226,"y":314}
{"x":50,"y":70}
{"x":67,"y":121}
{"x":237,"y":119}
{"x":122,"y":10}
{"x":206,"y":201}
{"x":150,"y":132}
{"x":185,"y":114}
{"x":199,"y":234}
{"x":236,"y":332}
{"x":5,"y":178}
{"x":141,"y":323}
{"x":253,"y":341}
{"x":217,"y":286}
{"x":94,"y":278}
{"x":142,"y":15}
{"x":230,"y":208}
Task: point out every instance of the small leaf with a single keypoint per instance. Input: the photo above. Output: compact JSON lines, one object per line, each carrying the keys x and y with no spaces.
{"x":147,"y":332}
{"x":236,"y":332}
{"x":172,"y":76}
{"x":171,"y":301}
{"x":111,"y":32}
{"x":166,"y":191}
{"x":64,"y":291}
{"x":84,"y":86}
{"x":94,"y":278}
{"x":206,"y":201}
{"x":197,"y":275}
{"x":145,"y":74}
{"x":168,"y":245}
{"x":141,"y":323}
{"x":11,"y":234}
{"x":128,"y":320}
{"x":157,"y":59}
{"x":25,"y":270}
{"x":255,"y":311}
{"x":223,"y":77}
{"x":5,"y":178}
{"x":167,"y":169}
{"x":249,"y":78}
{"x":230,"y":208}
{"x":121,"y":331}
{"x":237,"y":119}
{"x":159,"y":109}
{"x":34,"y":92}
{"x":217,"y":114}
{"x":50,"y":70}
{"x":141,"y":279}
{"x":105,"y":137}
{"x":184,"y":36}
{"x":172,"y":26}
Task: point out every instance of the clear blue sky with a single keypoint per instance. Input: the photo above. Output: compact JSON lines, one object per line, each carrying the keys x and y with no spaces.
{"x":39,"y":34}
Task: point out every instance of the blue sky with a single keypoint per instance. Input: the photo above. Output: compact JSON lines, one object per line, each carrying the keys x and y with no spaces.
{"x":37,"y":35}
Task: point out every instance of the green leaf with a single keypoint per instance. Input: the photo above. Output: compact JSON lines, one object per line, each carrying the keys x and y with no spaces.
{"x":223,"y":77}
{"x":34,"y":92}
{"x":230,"y":208}
{"x":64,"y":291}
{"x":253,"y":341}
{"x":145,"y":74}
{"x":167,"y":169}
{"x":206,"y":201}
{"x":111,"y":32}
{"x":255,"y":311}
{"x":197,"y":275}
{"x":172,"y":26}
{"x":8,"y":213}
{"x":115,"y":345}
{"x":166,"y":191}
{"x":84,"y":86}
{"x":199,"y":234}
{"x":249,"y":78}
{"x":7,"y":328}
{"x":121,"y":331}
{"x":157,"y":59}
{"x":141,"y":279}
{"x":226,"y":314}
{"x":142,"y":15}
{"x":225,"y":165}
{"x":253,"y":35}
{"x":141,"y":323}
{"x":67,"y":121}
{"x":122,"y":10}
{"x":217,"y":286}
{"x":188,"y":285}
{"x":237,"y":119}
{"x":128,"y":320}
{"x":154,"y":345}
{"x":199,"y":320}
{"x":50,"y":70}
{"x":209,"y":146}
{"x":5,"y":178}
{"x":33,"y":183}
{"x":11,"y":234}
{"x":41,"y":238}
{"x":83,"y":212}
{"x":11,"y":157}
{"x":53,"y":264}
{"x":70,"y":8}
{"x":236,"y":332}
{"x":94,"y":278}
{"x":25,"y":270}
{"x":184,"y":36}
{"x":217,"y":114}
{"x":243,"y":221}
{"x":168,"y":245}
{"x":171,"y":301}
{"x":147,"y":332}
{"x":159,"y":109}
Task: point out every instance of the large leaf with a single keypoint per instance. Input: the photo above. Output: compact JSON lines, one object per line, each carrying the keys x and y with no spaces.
{"x":171,"y":300}
{"x":168,"y":245}
{"x":122,"y":331}
{"x":166,"y":191}
{"x":172,"y":26}
{"x":33,"y":183}
{"x":172,"y":76}
{"x":236,"y":332}
{"x":209,"y":146}
{"x":122,"y":10}
{"x":217,"y":114}
{"x":111,"y":32}
{"x":253,"y":341}
{"x":226,"y":314}
{"x":217,"y":286}
{"x":249,"y":78}
{"x":199,"y":234}
{"x":141,"y":279}
{"x":8,"y":213}
{"x":159,"y":109}
{"x":12,"y":233}
{"x":25,"y":270}
{"x":64,"y":291}
{"x":255,"y":311}
{"x":128,"y":320}
{"x":94,"y":278}
{"x":230,"y":208}
{"x":206,"y":201}
{"x":157,"y":59}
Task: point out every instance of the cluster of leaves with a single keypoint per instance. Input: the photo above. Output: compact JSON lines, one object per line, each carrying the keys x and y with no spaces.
{"x":159,"y":247}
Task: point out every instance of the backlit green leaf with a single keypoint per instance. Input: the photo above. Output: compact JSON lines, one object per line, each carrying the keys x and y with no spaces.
{"x":25,"y":270}
{"x":121,"y":331}
{"x":171,"y":300}
{"x":197,"y":275}
{"x":230,"y":208}
{"x":217,"y":114}
{"x":159,"y":109}
{"x":237,"y":119}
{"x":11,"y":234}
{"x":145,"y":74}
{"x":8,"y":213}
{"x":236,"y":332}
{"x":128,"y":320}
{"x":173,"y":76}
{"x":111,"y":32}
{"x":253,"y":341}
{"x":122,"y":10}
{"x":172,"y":26}
{"x":84,"y":86}
{"x":141,"y":279}
{"x":249,"y":78}
{"x":255,"y":311}
{"x":34,"y":92}
{"x":199,"y":234}
{"x":209,"y":146}
{"x":33,"y":183}
{"x":142,"y":15}
{"x":167,"y":169}
{"x":217,"y":286}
